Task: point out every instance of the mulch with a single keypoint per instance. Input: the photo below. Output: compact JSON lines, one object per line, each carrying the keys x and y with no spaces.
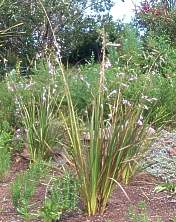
{"x":7,"y":211}
{"x":141,"y":189}
{"x":158,"y":205}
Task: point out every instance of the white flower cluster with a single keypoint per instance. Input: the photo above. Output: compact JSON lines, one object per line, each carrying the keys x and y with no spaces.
{"x":44,"y":94}
{"x":85,"y":81}
{"x":18,"y":107}
{"x":124,"y":85}
{"x":120,"y":74}
{"x":113,"y":92}
{"x":148,"y":99}
{"x":132,"y":78}
{"x":12,"y":87}
{"x":126,"y":102}
{"x":140,"y":120}
{"x":108,"y":64}
{"x":18,"y":133}
{"x":48,"y":90}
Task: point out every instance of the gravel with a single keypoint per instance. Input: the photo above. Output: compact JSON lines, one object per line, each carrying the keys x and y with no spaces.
{"x":158,"y":160}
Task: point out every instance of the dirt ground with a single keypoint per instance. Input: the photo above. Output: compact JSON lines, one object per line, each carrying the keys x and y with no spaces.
{"x":158,"y":205}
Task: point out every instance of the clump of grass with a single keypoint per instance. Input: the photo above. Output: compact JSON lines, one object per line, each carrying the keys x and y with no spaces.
{"x":140,"y":214}
{"x":5,"y":153}
{"x":169,"y":187}
{"x":39,"y":114}
{"x":111,"y":157}
{"x":24,"y":186}
{"x":6,"y":104}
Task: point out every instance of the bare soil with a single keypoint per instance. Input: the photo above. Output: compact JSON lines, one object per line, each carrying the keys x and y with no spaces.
{"x":158,"y":205}
{"x":141,"y":188}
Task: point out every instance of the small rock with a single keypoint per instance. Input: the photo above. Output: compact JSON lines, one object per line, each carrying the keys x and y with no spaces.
{"x":172,"y":151}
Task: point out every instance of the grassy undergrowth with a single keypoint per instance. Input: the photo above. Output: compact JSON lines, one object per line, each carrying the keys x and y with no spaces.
{"x":5,"y":152}
{"x":61,"y":198}
{"x":24,"y":187}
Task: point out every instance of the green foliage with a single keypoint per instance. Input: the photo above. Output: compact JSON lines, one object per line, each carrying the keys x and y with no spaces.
{"x":159,"y":55}
{"x":158,"y":17}
{"x":158,"y":95}
{"x":128,"y":54}
{"x":115,"y":105}
{"x":163,"y":89}
{"x":131,"y":44}
{"x":62,"y":197}
{"x":39,"y":114}
{"x":140,"y":214}
{"x":24,"y":186}
{"x":5,"y":152}
{"x":6,"y":34}
{"x":83,"y":86}
{"x":75,"y":30}
{"x":7,"y":104}
{"x":170,"y":187}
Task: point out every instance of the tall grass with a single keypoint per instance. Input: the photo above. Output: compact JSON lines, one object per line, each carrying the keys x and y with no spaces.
{"x":5,"y":154}
{"x":113,"y":150}
{"x":39,"y":116}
